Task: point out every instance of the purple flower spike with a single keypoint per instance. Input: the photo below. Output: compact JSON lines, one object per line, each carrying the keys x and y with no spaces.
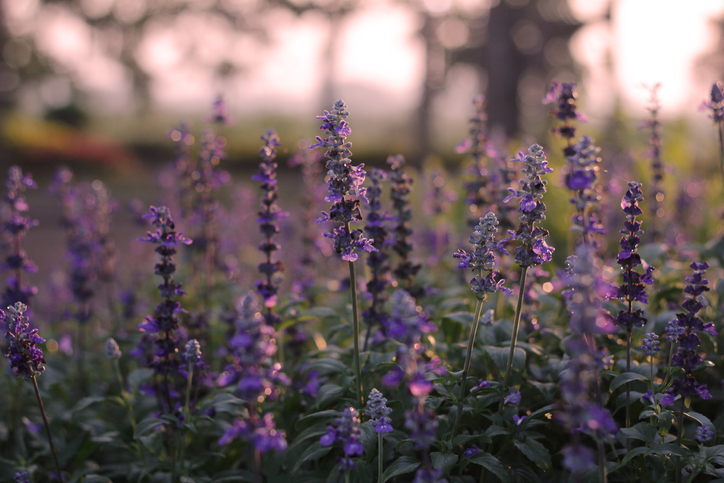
{"x":346,"y":433}
{"x":533,"y":250}
{"x":704,"y":434}
{"x":345,"y":184}
{"x":26,"y":358}
{"x":689,"y":324}
{"x":378,"y":412}
{"x":632,"y":289}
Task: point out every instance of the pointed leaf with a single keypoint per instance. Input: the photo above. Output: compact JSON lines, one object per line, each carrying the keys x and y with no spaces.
{"x":312,"y":453}
{"x":146,"y":426}
{"x":444,"y":461}
{"x":400,"y":466}
{"x":535,"y":452}
{"x":625,"y":378}
{"x":492,"y":464}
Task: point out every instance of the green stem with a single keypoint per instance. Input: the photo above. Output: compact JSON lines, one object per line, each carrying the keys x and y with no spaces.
{"x":677,"y":478}
{"x":186,"y":418}
{"x":466,"y":367}
{"x":516,"y":327}
{"x":628,"y":369}
{"x":124,"y":394}
{"x":355,"y":330}
{"x":59,"y":474}
{"x":380,"y":465}
{"x":720,"y":132}
{"x":602,"y":471}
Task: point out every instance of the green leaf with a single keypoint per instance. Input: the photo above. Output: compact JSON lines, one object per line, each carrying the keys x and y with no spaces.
{"x":700,"y":418}
{"x":500,"y":357}
{"x":491,"y":463}
{"x":465,"y":318}
{"x":233,"y":476}
{"x":312,"y":453}
{"x":465,"y":439}
{"x":642,"y":431}
{"x":625,"y":378}
{"x":86,"y":402}
{"x":451,"y":330}
{"x":146,"y":426}
{"x":221,"y":402}
{"x":96,"y":479}
{"x":135,"y":378}
{"x":368,"y":438}
{"x":444,"y":461}
{"x":328,"y":394}
{"x":328,"y":414}
{"x":535,"y":452}
{"x":641,"y":450}
{"x":318,"y":312}
{"x":326,"y":365}
{"x":401,"y":466}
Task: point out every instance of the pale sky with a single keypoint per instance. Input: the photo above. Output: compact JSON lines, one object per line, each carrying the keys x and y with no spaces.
{"x":381,"y":57}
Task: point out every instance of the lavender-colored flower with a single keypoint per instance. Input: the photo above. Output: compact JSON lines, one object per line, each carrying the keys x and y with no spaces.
{"x":378,"y":412}
{"x":650,"y":344}
{"x":471,"y":451}
{"x":22,"y":477}
{"x":478,"y":146}
{"x":533,"y":249}
{"x":220,"y":112}
{"x":715,"y":102}
{"x":192,"y":352}
{"x":26,"y":358}
{"x":401,"y":186}
{"x":377,"y":261}
{"x":421,"y":425}
{"x":14,"y":229}
{"x":268,"y":288}
{"x":565,"y":96}
{"x":686,"y":356}
{"x":674,"y":330}
{"x":428,"y":475}
{"x":482,"y":258}
{"x":346,"y":433}
{"x":345,"y":181}
{"x":261,"y":433}
{"x":704,"y":434}
{"x":113,"y":352}
{"x":163,"y":325}
{"x":513,"y":397}
{"x":586,"y":290}
{"x":581,"y":179}
{"x":632,"y":289}
{"x":253,"y":347}
{"x":578,"y":459}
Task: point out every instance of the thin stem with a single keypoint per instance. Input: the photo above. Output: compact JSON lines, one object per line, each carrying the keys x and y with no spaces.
{"x":257,"y":465}
{"x":355,"y":329}
{"x":58,"y":474}
{"x":602,"y":470}
{"x":720,"y":132}
{"x":379,"y":458}
{"x":516,"y":326}
{"x":677,"y":478}
{"x":628,"y":369}
{"x":466,"y":367}
{"x":186,"y":418}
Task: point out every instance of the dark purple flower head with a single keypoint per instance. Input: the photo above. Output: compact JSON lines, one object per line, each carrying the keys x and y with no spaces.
{"x":650,"y":344}
{"x":220,"y":112}
{"x":689,"y":325}
{"x":715,"y":102}
{"x":564,"y":96}
{"x":421,"y":425}
{"x":471,"y":451}
{"x":581,"y":178}
{"x":378,"y":412}
{"x":428,"y":475}
{"x":632,"y":289}
{"x":192,"y":352}
{"x":346,"y":433}
{"x":344,"y":181}
{"x":704,"y":434}
{"x":578,"y":459}
{"x":262,"y":433}
{"x":401,"y":187}
{"x":533,"y":249}
{"x":26,"y":358}
{"x":483,"y":258}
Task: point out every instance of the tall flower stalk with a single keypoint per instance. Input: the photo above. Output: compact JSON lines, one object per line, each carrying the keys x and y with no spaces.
{"x":378,"y":261}
{"x":270,"y":213}
{"x":401,"y":186}
{"x":581,"y":179}
{"x":476,"y":144}
{"x":481,"y":260}
{"x":533,"y":249}
{"x":379,"y":415}
{"x":163,"y":325}
{"x":657,"y":167}
{"x":632,"y":289}
{"x":345,"y":192}
{"x":716,"y":105}
{"x":16,"y":226}
{"x":27,"y":360}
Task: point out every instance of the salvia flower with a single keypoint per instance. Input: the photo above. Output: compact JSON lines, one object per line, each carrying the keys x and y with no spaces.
{"x":163,"y":325}
{"x":192,"y":352}
{"x":686,"y":355}
{"x":581,"y":179}
{"x":715,"y":102}
{"x":704,"y":434}
{"x":512,"y":398}
{"x":13,"y":230}
{"x":346,"y":433}
{"x":632,"y":289}
{"x":421,"y":425}
{"x":344,"y":183}
{"x":471,"y":451}
{"x":428,"y":475}
{"x":378,"y":261}
{"x":564,"y":95}
{"x":533,"y":249}
{"x":401,"y":186}
{"x":657,"y":166}
{"x":378,"y":412}
{"x":261,"y":433}
{"x":268,"y":217}
{"x":482,"y":258}
{"x":22,"y":477}
{"x":26,"y":358}
{"x":650,"y":344}
{"x":477,"y":145}
{"x":113,"y":352}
